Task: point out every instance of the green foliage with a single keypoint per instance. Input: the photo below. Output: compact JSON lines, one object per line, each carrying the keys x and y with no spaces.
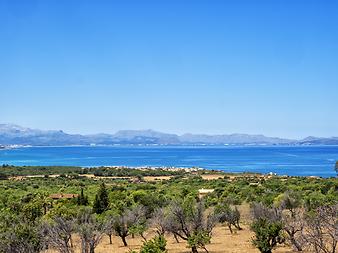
{"x":288,"y":200}
{"x":101,"y":202}
{"x":138,"y":228}
{"x":149,"y":199}
{"x":18,"y":234}
{"x":3,"y":176}
{"x":64,"y":210}
{"x":11,"y":170}
{"x":82,"y":200}
{"x":267,"y":234}
{"x":229,"y":215}
{"x":199,"y":239}
{"x":27,"y":199}
{"x":314,"y":200}
{"x":188,"y":220}
{"x":156,"y":245}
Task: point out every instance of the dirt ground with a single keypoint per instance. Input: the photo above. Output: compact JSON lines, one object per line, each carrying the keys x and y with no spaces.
{"x":211,"y":176}
{"x":222,"y":242}
{"x":156,"y":178}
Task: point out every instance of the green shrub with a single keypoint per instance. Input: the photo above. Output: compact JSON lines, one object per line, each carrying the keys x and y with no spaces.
{"x":267,"y":234}
{"x":199,"y":240}
{"x":156,"y":245}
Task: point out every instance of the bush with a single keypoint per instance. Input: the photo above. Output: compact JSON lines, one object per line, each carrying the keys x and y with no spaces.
{"x":199,"y":240}
{"x":156,"y":245}
{"x":267,"y":234}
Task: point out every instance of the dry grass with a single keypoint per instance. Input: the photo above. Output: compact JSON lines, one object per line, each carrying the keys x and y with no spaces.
{"x":156,"y":178}
{"x":211,"y":176}
{"x":222,"y":242}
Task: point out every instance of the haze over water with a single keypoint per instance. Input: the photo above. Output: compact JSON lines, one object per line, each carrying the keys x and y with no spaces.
{"x":294,"y":161}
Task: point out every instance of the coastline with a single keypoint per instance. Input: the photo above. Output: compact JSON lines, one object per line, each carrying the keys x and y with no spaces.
{"x":282,"y":160}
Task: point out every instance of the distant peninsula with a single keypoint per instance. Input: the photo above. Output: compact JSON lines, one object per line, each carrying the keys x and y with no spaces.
{"x":11,"y":134}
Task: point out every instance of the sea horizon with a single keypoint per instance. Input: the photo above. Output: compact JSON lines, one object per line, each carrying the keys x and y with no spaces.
{"x":282,"y":160}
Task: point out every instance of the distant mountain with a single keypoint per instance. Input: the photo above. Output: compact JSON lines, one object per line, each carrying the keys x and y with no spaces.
{"x":149,"y":136}
{"x":232,"y":139}
{"x":16,"y":135}
{"x":319,"y":141}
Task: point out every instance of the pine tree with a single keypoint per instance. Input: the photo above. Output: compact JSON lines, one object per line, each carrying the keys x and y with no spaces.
{"x":101,"y":202}
{"x":82,"y":199}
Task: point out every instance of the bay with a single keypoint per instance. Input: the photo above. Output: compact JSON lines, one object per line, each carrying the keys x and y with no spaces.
{"x":283,"y":160}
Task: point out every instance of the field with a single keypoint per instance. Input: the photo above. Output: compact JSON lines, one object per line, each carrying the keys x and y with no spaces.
{"x":32,"y":199}
{"x":223,"y":242}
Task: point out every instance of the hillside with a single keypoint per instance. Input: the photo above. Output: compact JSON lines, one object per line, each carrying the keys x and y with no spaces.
{"x":11,"y":134}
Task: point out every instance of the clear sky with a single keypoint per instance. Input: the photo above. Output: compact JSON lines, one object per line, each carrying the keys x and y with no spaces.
{"x":254,"y":66}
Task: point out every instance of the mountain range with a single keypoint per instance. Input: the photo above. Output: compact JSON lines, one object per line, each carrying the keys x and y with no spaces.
{"x":11,"y":134}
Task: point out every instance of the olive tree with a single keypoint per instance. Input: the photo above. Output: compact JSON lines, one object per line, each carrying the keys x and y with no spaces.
{"x":18,"y":235}
{"x":90,"y":231}
{"x":159,"y":222}
{"x":129,"y":221}
{"x":292,"y":215}
{"x":57,"y":234}
{"x":267,"y":226}
{"x":229,"y":215}
{"x":188,"y":220}
{"x":322,"y":229}
{"x":294,"y":226}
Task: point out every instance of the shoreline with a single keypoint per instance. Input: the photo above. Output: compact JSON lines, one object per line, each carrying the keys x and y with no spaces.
{"x":190,"y":170}
{"x":286,"y":160}
{"x":18,"y":146}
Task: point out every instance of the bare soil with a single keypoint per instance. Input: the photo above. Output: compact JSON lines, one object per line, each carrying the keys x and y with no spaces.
{"x":222,"y":242}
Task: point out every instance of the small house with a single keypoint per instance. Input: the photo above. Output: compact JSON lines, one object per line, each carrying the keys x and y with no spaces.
{"x":57,"y":196}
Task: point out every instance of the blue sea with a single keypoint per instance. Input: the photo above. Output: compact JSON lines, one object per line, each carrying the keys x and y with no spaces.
{"x":295,"y":161}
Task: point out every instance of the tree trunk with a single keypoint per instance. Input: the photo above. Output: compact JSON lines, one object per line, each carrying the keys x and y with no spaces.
{"x":84,"y":247}
{"x":124,"y":241}
{"x":67,"y":248}
{"x":238,"y":226}
{"x":176,"y":238}
{"x":267,"y":251}
{"x":92,"y":249}
{"x":110,"y":240}
{"x":194,"y":249}
{"x":295,"y":244}
{"x":229,"y":225}
{"x":142,"y":235}
{"x":71,"y":241}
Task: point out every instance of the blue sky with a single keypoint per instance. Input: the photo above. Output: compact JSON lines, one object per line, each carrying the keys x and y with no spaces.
{"x":268,"y":67}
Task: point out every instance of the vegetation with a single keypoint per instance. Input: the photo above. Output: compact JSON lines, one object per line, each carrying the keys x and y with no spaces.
{"x":230,"y":216}
{"x":101,"y":202}
{"x":10,"y":170}
{"x":268,"y":234}
{"x":187,"y":220}
{"x":156,"y":245}
{"x":267,"y":226}
{"x":43,"y":212}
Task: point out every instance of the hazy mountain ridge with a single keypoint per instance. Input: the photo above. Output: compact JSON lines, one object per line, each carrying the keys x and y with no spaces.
{"x":16,"y":135}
